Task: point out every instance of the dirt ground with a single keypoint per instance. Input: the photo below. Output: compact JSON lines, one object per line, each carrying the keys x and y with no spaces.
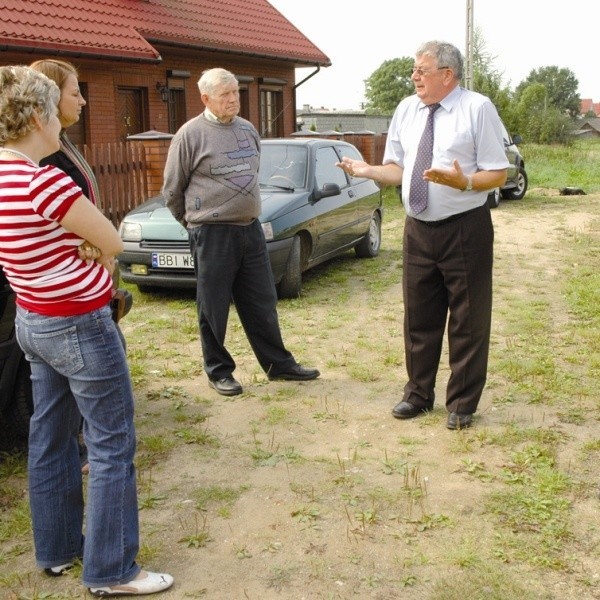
{"x":313,"y":490}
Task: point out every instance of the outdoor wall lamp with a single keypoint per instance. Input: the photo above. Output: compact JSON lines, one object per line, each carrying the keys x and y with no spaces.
{"x":163,"y":90}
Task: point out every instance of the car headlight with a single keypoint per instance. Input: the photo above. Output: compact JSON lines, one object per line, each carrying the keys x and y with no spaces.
{"x":130,"y":232}
{"x":268,"y":231}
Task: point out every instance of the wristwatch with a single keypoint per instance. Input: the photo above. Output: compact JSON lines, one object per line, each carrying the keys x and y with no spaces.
{"x":469,"y":185}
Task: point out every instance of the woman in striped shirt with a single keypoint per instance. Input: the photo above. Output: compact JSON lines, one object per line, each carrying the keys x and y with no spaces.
{"x":78,"y":363}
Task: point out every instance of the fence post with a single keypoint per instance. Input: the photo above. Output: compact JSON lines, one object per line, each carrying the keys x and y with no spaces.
{"x":156,"y":145}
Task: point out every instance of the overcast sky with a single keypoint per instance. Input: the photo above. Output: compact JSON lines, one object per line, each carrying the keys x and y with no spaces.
{"x":520,"y":35}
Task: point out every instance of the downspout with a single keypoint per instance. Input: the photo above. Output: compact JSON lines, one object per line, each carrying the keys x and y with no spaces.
{"x":297,"y":86}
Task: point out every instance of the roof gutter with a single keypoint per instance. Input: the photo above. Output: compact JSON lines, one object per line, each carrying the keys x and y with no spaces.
{"x":298,"y":61}
{"x":79,"y":54}
{"x":297,"y":86}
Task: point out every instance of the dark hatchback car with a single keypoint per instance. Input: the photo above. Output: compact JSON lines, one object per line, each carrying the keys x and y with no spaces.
{"x":311,"y":212}
{"x":16,"y":403}
{"x":516,"y":180}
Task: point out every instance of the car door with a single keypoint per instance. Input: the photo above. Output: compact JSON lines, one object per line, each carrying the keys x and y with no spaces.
{"x":335,"y":216}
{"x":366,"y":193}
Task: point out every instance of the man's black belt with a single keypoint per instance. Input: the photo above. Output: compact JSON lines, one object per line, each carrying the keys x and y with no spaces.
{"x":449,"y":219}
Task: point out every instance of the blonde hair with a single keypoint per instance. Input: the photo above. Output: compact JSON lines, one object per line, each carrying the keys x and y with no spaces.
{"x":57,"y":70}
{"x":23,"y":94}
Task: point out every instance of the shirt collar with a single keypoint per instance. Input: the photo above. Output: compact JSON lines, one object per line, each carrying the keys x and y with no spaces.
{"x":449,"y":101}
{"x":212,"y":117}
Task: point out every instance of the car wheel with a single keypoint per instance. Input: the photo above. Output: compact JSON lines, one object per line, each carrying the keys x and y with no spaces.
{"x":518,"y":192}
{"x":20,"y":409}
{"x":291,"y":282}
{"x":369,"y":246}
{"x":493,"y":198}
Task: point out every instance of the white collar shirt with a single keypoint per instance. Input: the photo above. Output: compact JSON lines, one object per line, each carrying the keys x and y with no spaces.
{"x":466,"y":128}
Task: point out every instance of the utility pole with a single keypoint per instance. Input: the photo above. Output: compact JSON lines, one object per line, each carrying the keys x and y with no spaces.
{"x":469,"y":47}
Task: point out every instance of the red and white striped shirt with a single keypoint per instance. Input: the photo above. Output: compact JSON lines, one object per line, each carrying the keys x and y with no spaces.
{"x":38,"y":255}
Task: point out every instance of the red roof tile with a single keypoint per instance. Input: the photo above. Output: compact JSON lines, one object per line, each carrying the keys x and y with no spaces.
{"x":127,"y":28}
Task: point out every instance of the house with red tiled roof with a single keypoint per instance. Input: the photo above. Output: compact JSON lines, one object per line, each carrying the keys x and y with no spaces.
{"x":139,"y":60}
{"x":588,"y":106}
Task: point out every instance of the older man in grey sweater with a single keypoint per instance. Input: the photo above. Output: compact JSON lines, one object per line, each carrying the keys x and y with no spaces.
{"x":211,"y":187}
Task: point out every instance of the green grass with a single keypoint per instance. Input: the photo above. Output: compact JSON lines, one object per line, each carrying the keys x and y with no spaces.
{"x":294,"y":480}
{"x":563,"y":166}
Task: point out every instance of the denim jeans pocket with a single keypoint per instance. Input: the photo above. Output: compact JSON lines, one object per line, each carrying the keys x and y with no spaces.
{"x":60,"y":349}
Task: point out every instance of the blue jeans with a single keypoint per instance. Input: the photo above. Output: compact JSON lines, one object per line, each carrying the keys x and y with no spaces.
{"x":79,"y":367}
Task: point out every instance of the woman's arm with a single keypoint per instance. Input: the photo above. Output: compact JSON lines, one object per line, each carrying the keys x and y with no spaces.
{"x":86,"y":221}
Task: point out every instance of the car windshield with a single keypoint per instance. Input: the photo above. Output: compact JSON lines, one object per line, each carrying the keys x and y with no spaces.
{"x":282,"y":166}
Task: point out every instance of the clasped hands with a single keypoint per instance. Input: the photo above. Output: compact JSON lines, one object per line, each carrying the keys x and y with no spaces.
{"x":89,"y":253}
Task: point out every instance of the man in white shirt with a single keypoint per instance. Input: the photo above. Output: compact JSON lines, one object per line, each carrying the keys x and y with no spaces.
{"x":448,"y":244}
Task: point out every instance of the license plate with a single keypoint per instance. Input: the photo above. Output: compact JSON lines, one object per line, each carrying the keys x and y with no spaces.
{"x":171,"y":260}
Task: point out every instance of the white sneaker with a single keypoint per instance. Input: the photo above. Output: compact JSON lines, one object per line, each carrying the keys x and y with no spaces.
{"x":58,"y":571}
{"x":150,"y":584}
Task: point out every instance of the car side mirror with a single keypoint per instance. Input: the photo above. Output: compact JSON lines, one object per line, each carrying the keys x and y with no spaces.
{"x":328,"y":190}
{"x":517,"y":139}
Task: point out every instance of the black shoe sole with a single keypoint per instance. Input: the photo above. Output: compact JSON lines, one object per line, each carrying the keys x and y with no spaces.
{"x":456,"y":425}
{"x":417,"y":412}
{"x":285,"y":377}
{"x":234,"y":392}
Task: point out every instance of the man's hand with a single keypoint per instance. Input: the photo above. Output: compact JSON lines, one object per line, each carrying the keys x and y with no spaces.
{"x":452,"y":177}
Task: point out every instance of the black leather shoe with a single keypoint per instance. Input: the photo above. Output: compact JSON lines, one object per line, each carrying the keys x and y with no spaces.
{"x":296,"y":373}
{"x":226,"y":386}
{"x":406,"y":410}
{"x":459,"y":421}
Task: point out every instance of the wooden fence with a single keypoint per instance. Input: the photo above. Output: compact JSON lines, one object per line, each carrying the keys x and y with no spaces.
{"x":121,"y":172}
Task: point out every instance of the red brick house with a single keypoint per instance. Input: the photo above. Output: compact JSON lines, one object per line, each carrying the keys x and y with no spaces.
{"x":139,"y":60}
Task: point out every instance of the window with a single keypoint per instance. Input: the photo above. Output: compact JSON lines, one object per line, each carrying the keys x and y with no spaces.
{"x":271,"y":111}
{"x":325,"y":169}
{"x":176,"y":109}
{"x":244,"y":102}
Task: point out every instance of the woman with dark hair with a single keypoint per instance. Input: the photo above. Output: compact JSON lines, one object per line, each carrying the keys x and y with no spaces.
{"x":78,"y":365}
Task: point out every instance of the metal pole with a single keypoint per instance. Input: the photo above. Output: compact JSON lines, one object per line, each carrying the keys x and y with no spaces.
{"x":469,"y":47}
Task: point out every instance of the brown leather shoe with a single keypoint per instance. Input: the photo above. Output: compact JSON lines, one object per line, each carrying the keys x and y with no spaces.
{"x":406,"y":410}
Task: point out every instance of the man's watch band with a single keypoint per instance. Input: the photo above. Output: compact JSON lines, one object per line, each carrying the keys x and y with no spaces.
{"x":469,"y":185}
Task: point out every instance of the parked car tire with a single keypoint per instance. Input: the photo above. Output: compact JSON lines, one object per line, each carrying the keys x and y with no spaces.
{"x":518,"y":192}
{"x":291,"y":282}
{"x":493,"y":198}
{"x":369,"y":246}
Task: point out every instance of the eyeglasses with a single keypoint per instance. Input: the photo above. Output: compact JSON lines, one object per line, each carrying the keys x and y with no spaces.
{"x":420,"y":72}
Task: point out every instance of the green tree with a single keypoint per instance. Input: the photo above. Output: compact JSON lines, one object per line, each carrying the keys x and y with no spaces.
{"x":538,"y":122}
{"x":561,"y":88}
{"x":388,"y":84}
{"x":488,"y":81}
